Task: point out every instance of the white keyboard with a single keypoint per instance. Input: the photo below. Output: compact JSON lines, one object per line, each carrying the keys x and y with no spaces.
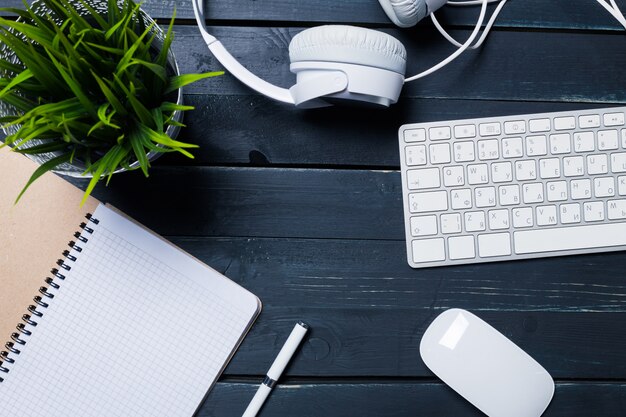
{"x":516,"y":187}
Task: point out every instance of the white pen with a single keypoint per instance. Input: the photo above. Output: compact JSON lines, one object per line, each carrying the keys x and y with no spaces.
{"x":277,"y":368}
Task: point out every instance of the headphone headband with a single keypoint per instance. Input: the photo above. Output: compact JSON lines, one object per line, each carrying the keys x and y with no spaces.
{"x":234,"y":67}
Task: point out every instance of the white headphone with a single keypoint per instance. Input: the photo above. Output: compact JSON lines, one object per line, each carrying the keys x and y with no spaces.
{"x":334,"y":64}
{"x":339,"y":63}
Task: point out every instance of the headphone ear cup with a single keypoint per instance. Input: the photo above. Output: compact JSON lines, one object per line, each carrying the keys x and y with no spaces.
{"x":347,"y":63}
{"x":405,"y":13}
{"x":349,"y":45}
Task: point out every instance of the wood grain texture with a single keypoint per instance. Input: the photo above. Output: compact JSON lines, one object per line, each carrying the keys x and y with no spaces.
{"x":254,"y":131}
{"x":258,"y":202}
{"x":571,"y":14}
{"x":359,"y":296}
{"x":400,"y":400}
{"x":384,"y":342}
{"x":546,"y":65}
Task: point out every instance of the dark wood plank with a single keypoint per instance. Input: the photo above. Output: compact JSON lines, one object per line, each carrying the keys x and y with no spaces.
{"x":262,"y":202}
{"x":512,"y":65}
{"x":573,"y":14}
{"x":368,"y":309}
{"x":252,"y":130}
{"x":374,"y":274}
{"x":379,"y":341}
{"x":311,"y":399}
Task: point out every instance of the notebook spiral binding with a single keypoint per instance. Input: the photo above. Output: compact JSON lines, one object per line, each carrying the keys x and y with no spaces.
{"x":41,"y":301}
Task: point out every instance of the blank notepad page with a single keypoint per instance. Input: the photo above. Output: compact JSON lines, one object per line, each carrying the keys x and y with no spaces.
{"x":137,"y":328}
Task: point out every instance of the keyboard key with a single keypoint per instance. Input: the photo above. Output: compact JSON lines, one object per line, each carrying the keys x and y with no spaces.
{"x":509,"y":195}
{"x":450,"y":223}
{"x":613,"y":119}
{"x":624,"y":138}
{"x":594,"y":211}
{"x":523,"y":217}
{"x":597,"y":164}
{"x":570,"y":213}
{"x":439,"y":133}
{"x":536,"y":145}
{"x":420,"y":179}
{"x":501,"y":172}
{"x":604,"y":187}
{"x":512,"y":148}
{"x":560,"y":143}
{"x":557,"y":190}
{"x":461,"y":247}
{"x":616,"y":209}
{"x":498,"y":219}
{"x":526,"y":170}
{"x":533,"y":193}
{"x":584,"y":142}
{"x":546,"y":215}
{"x":428,"y":201}
{"x":550,"y":168}
{"x":488,"y":149}
{"x":607,"y":140}
{"x":415,"y":155}
{"x":424,"y":225}
{"x":580,"y":189}
{"x":565,"y":123}
{"x":465,"y":131}
{"x":569,"y":238}
{"x":428,"y":250}
{"x":453,"y":176}
{"x":415,"y":135}
{"x":464,"y":152}
{"x":461,"y":199}
{"x":489,"y":129}
{"x":515,"y":127}
{"x":475,"y":221}
{"x":496,"y":244}
{"x":439,"y":153}
{"x":477,"y":174}
{"x":539,"y":125}
{"x":485,"y":196}
{"x":589,"y":121}
{"x":573,"y":166}
{"x":621,"y":185}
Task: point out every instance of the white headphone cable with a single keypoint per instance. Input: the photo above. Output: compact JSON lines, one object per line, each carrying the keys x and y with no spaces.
{"x":459,"y":51}
{"x":614,"y":10}
{"x":469,"y":2}
{"x":486,"y":30}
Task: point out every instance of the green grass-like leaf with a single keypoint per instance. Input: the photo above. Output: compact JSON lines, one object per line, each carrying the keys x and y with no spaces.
{"x":23,"y":76}
{"x":45,"y":167}
{"x":182,"y":80}
{"x":90,"y":88}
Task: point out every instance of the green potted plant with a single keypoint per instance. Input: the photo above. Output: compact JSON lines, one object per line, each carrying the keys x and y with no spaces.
{"x":90,"y":88}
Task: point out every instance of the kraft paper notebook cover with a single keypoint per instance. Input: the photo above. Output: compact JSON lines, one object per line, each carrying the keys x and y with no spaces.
{"x":121,"y":323}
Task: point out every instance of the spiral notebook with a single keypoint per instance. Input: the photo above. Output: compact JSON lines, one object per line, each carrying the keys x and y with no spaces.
{"x":118,"y":323}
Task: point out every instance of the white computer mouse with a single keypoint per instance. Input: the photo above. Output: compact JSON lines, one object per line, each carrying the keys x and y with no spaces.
{"x":485,"y":367}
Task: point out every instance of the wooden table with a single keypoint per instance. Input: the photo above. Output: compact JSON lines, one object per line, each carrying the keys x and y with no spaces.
{"x":304,"y":208}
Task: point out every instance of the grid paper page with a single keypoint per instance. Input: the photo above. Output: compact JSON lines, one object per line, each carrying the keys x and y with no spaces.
{"x":137,"y":328}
